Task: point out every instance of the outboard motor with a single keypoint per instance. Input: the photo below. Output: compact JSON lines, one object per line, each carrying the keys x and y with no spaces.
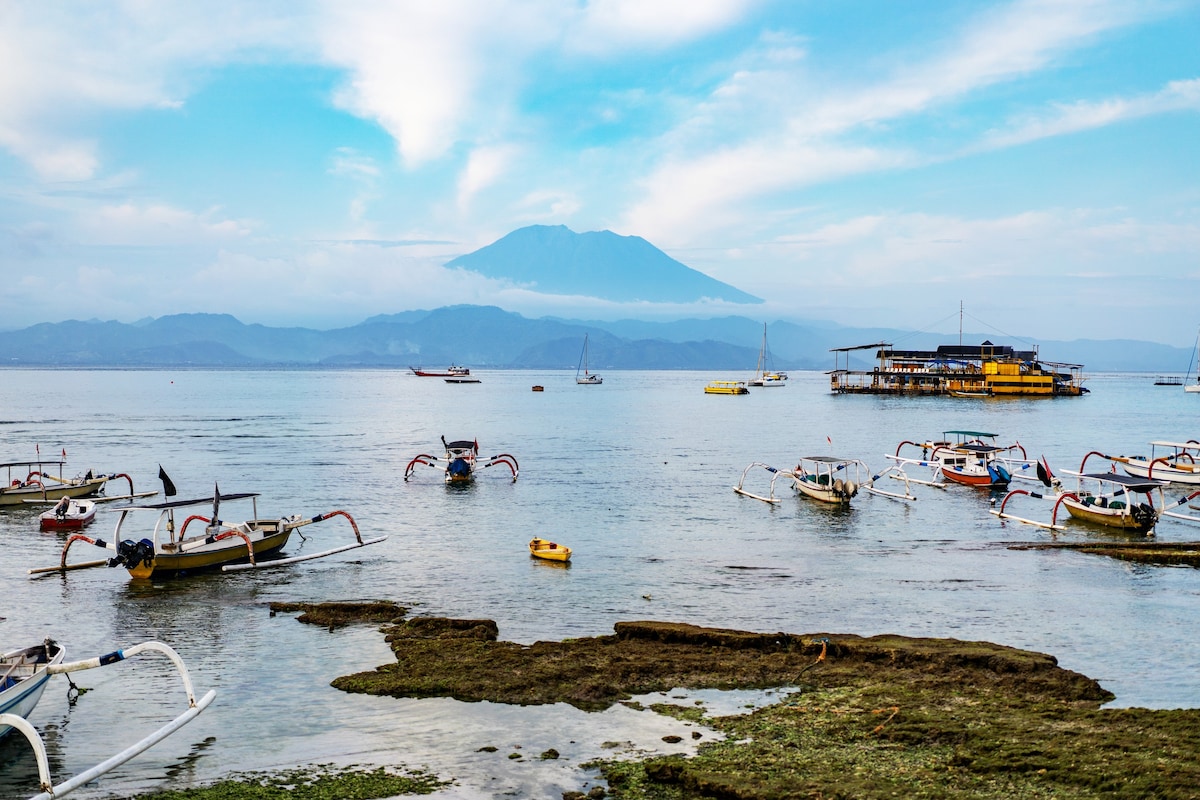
{"x":131,"y":554}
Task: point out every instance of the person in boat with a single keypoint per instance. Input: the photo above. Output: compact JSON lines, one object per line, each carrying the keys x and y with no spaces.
{"x":61,"y":508}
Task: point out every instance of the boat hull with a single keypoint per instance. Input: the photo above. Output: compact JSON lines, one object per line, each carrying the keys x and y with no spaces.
{"x":79,"y":515}
{"x":726,"y":387}
{"x":1183,"y":473}
{"x":824,"y":493}
{"x":14,"y":495}
{"x":550,"y":551}
{"x":21,"y":692}
{"x":981,"y":481}
{"x":1109,"y":517}
{"x":170,"y":561}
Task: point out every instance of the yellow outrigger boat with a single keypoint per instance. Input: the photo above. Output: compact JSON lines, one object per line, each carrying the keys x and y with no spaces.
{"x":542,"y":548}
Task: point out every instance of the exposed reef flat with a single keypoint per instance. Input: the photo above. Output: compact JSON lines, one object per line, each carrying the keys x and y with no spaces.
{"x":868,"y":717}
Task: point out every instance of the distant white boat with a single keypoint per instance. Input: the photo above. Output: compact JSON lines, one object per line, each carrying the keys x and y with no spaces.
{"x":582,"y":376}
{"x":1194,"y":386}
{"x":763,"y":374}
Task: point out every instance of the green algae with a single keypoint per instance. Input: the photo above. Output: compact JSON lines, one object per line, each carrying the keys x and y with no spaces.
{"x":872,"y":717}
{"x":322,"y":782}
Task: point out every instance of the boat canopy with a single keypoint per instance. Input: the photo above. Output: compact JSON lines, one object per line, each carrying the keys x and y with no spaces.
{"x":828,"y":459}
{"x":1178,"y":445}
{"x":202,"y":501}
{"x":1129,"y":482}
{"x":38,"y":463}
{"x":976,"y":434}
{"x":460,"y":445}
{"x":981,"y":449}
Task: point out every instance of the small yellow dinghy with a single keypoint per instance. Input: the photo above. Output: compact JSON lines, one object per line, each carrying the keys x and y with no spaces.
{"x":542,"y":548}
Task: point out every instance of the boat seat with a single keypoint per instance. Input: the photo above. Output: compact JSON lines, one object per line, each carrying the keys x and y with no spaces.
{"x":1117,"y":504}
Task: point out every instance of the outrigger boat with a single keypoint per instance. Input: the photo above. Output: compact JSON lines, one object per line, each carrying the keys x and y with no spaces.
{"x":32,"y":482}
{"x":551,"y":551}
{"x":1169,"y":461}
{"x":215,"y":543}
{"x":460,"y":462}
{"x":972,"y":458}
{"x":1109,"y":499}
{"x":26,"y":673}
{"x":68,"y":514}
{"x":828,"y":479}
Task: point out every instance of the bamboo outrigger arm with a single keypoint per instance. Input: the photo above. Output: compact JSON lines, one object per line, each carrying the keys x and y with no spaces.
{"x":300,"y":523}
{"x":49,"y":790}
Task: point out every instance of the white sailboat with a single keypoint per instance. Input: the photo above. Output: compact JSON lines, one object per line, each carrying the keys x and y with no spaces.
{"x":763,"y":374}
{"x":582,"y":376}
{"x":1194,"y":386}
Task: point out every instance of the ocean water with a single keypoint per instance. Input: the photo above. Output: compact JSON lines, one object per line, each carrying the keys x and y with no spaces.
{"x":635,"y":475}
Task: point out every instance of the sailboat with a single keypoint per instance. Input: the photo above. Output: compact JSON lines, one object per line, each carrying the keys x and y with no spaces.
{"x":582,"y":376}
{"x":763,"y":375}
{"x":1194,"y":386}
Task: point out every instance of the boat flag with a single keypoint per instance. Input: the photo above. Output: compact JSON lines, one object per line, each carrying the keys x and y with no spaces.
{"x":64,"y":454}
{"x":168,"y":486}
{"x":216,"y":503}
{"x":1043,"y":472}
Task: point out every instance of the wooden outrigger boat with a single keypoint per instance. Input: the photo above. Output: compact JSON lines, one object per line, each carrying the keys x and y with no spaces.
{"x":1178,"y":462}
{"x":971,"y":458}
{"x":825,"y":478}
{"x":68,"y":514}
{"x":460,"y":462}
{"x":33,"y":482}
{"x":26,"y":673}
{"x":23,"y":677}
{"x":1109,"y":499}
{"x":551,"y":551}
{"x":215,"y":543}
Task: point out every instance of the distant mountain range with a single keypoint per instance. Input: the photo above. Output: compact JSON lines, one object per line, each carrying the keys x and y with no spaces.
{"x":488,"y":337}
{"x":556,"y":260}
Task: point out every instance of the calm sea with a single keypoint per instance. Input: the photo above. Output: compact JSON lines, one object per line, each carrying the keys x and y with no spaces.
{"x":635,"y":475}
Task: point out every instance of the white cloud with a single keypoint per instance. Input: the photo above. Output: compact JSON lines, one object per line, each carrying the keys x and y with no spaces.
{"x":619,"y":24}
{"x":484,"y":166}
{"x":1082,"y":116}
{"x":696,"y":190}
{"x":156,"y":225}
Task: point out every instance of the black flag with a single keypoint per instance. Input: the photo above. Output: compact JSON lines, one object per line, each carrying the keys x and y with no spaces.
{"x":168,"y":487}
{"x":216,"y":503}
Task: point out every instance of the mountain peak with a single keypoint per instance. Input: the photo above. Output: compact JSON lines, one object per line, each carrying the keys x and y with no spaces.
{"x":553,"y":259}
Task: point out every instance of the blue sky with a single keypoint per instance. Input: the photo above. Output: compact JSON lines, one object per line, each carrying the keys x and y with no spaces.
{"x":870,"y":163}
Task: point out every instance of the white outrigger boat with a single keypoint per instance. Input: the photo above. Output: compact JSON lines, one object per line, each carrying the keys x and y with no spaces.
{"x":168,"y":550}
{"x":460,"y":462}
{"x":828,"y":479}
{"x":33,"y":482}
{"x":971,"y":458}
{"x":1109,"y":499}
{"x":26,"y":673}
{"x":1178,"y":462}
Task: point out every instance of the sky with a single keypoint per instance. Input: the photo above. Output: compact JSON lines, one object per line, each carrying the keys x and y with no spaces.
{"x":313,"y":163}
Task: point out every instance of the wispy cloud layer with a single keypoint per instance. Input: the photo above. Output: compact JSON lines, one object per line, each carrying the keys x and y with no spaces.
{"x":810,"y":155}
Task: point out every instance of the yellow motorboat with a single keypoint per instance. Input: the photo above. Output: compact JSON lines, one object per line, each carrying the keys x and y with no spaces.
{"x":726,"y":387}
{"x":542,"y":548}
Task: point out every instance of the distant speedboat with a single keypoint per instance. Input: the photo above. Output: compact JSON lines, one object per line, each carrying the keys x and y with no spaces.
{"x":68,"y":514}
{"x":450,"y":372}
